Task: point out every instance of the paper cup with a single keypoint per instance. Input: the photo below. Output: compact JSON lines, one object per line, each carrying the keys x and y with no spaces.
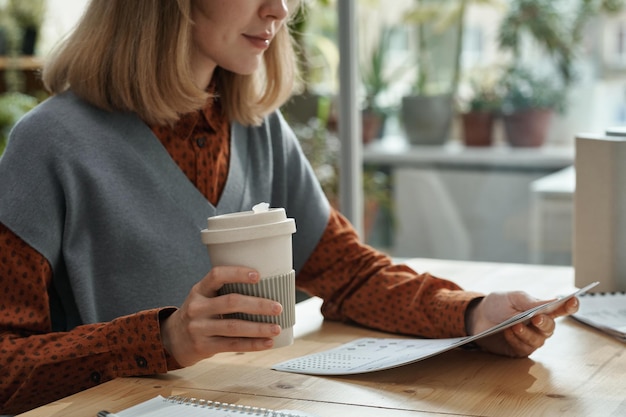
{"x":259,"y":239}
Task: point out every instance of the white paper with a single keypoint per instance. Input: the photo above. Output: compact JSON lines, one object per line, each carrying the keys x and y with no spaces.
{"x":604,"y":311}
{"x":376,"y":354}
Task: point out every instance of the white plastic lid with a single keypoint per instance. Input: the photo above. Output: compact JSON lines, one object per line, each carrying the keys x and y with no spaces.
{"x":247,"y":225}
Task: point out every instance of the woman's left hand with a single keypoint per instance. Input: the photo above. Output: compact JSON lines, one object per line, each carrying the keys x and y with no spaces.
{"x":521,"y":339}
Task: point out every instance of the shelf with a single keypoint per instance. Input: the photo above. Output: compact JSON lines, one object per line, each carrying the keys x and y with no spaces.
{"x":30,"y":66}
{"x":395,"y":151}
{"x":24,"y":63}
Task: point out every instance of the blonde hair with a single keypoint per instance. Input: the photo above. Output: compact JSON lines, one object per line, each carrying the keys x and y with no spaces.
{"x":133,"y":56}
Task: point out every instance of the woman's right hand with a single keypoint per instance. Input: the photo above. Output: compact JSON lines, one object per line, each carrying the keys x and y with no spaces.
{"x":197,"y":330}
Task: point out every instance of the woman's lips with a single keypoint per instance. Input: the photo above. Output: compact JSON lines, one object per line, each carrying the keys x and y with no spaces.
{"x":258,"y":41}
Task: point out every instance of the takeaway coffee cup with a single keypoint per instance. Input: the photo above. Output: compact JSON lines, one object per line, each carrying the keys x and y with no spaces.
{"x":259,"y":239}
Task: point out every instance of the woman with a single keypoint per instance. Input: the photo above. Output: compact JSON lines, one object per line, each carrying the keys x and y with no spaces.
{"x":163,"y":114}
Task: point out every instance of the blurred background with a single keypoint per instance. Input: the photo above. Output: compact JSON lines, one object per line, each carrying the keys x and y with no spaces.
{"x":469,"y":111}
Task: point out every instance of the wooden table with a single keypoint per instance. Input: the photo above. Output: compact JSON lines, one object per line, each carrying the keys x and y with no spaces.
{"x":579,"y":372}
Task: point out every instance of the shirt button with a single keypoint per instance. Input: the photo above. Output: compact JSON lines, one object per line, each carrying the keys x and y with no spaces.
{"x":95,"y":377}
{"x":201,"y":142}
{"x":141,"y":362}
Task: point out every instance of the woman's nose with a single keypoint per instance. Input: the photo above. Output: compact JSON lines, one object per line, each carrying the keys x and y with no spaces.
{"x":275,"y":9}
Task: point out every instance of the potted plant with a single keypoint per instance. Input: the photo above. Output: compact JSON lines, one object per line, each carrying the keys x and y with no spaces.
{"x":13,"y":105}
{"x":376,"y":79}
{"x":318,"y":60}
{"x":528,"y":105}
{"x":28,"y":15}
{"x":479,"y":110}
{"x":322,"y":149}
{"x":14,"y":102}
{"x":531,"y":99}
{"x":427,"y":111}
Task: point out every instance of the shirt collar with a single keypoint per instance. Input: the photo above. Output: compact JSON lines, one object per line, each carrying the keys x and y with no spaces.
{"x":210,"y":115}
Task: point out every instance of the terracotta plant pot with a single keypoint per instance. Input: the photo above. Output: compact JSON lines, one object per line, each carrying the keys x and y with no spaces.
{"x":372,"y":125}
{"x":478,"y":128}
{"x":527,"y":128}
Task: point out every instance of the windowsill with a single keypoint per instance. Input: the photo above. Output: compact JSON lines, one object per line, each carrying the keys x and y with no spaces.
{"x":396,"y":151}
{"x":24,"y":63}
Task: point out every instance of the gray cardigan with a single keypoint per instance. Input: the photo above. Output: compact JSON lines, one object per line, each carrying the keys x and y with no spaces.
{"x":100,"y":198}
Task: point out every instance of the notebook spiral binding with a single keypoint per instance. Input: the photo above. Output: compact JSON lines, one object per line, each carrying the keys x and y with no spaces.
{"x":216,"y":405}
{"x":603,"y":293}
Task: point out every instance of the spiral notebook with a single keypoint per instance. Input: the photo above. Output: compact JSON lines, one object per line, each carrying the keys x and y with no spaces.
{"x":605,"y":311}
{"x":177,"y":406}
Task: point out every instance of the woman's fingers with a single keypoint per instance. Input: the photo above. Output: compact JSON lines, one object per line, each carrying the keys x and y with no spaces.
{"x":208,"y":337}
{"x":570,"y":307}
{"x":221,"y":275}
{"x":521,"y":339}
{"x":234,"y":329}
{"x":238,"y":303}
{"x":198,"y":329}
{"x":243,"y":328}
{"x":543,"y":324}
{"x":233,"y":303}
{"x":519,"y":344}
{"x":524,"y":339}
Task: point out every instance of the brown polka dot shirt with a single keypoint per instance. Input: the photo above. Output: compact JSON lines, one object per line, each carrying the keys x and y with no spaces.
{"x":357,"y":283}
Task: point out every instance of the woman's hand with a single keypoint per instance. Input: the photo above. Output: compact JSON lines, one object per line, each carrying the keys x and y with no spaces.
{"x":521,"y":339}
{"x":197,"y":330}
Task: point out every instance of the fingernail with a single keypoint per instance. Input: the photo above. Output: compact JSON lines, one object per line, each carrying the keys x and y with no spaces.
{"x":520,"y":329}
{"x":275,"y":329}
{"x":253,"y":276}
{"x":539,"y":321}
{"x":268,"y":343}
{"x":277,"y":308}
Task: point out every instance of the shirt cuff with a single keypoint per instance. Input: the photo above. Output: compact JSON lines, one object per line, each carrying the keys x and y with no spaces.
{"x":172,"y":364}
{"x":135,"y":344}
{"x":455,"y":304}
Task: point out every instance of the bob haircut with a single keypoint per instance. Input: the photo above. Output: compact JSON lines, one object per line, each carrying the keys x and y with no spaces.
{"x":133,"y":56}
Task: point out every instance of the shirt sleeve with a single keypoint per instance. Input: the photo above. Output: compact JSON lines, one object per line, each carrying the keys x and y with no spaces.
{"x":38,"y":366}
{"x":361,"y":285}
